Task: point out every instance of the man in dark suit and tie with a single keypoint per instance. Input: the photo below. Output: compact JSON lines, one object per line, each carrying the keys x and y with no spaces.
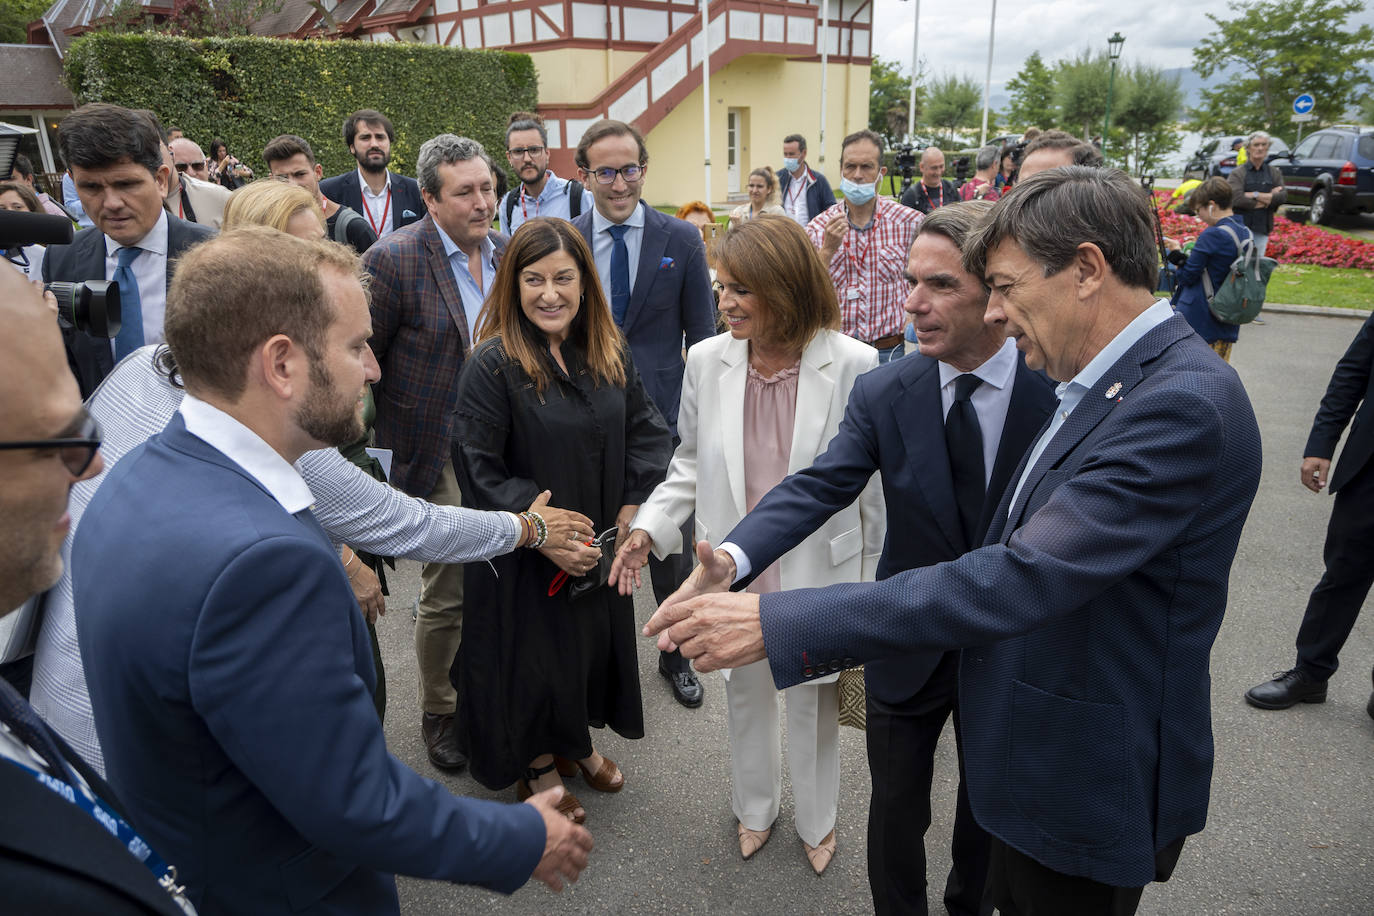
{"x":653,"y":268}
{"x":387,"y":200}
{"x":1336,"y":601}
{"x":1086,"y":620}
{"x":429,"y":280}
{"x":230,"y":670}
{"x":55,"y":856}
{"x":115,"y":158}
{"x":946,"y":428}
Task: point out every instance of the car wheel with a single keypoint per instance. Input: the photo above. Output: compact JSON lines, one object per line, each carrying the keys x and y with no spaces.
{"x":1319,"y":211}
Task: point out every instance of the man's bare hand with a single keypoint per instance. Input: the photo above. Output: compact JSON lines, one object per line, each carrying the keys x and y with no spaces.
{"x":368,"y":591}
{"x":715,"y":631}
{"x":834,"y":238}
{"x":1315,"y":472}
{"x":623,"y":518}
{"x":630,"y":559}
{"x":564,"y":525}
{"x":566,"y":845}
{"x":715,"y":572}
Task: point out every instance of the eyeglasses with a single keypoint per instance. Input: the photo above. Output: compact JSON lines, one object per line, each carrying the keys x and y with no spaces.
{"x":76,"y":452}
{"x":193,"y":166}
{"x":520,"y":152}
{"x":631,"y":174}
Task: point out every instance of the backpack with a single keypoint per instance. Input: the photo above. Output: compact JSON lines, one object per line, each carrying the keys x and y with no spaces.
{"x":1242,"y":292}
{"x":574,"y":201}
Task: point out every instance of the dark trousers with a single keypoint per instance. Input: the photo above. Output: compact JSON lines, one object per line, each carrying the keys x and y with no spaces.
{"x":667,"y":575}
{"x":1336,"y":601}
{"x":1020,"y":886}
{"x":901,"y":759}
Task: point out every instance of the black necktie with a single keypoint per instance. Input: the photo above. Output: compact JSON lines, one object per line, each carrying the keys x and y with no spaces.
{"x":964,"y":443}
{"x":25,"y":725}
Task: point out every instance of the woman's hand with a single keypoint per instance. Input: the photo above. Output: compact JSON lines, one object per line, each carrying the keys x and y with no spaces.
{"x":565,"y":526}
{"x":623,"y":518}
{"x":630,"y":559}
{"x":573,"y":557}
{"x":1171,"y":244}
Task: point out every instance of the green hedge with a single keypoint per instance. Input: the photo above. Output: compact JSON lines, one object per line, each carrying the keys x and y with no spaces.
{"x":249,"y":90}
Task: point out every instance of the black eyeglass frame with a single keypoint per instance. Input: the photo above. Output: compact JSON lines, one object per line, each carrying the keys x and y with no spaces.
{"x":602,"y":173}
{"x":520,"y":152}
{"x":84,"y":446}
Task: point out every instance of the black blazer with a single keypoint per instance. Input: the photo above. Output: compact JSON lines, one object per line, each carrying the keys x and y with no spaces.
{"x":407,"y":206}
{"x":894,"y":423}
{"x":91,"y":358}
{"x":819,"y":197}
{"x":1348,"y":394}
{"x":55,"y":859}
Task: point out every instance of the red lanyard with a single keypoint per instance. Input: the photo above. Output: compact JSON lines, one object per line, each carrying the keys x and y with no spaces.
{"x":856,"y":257}
{"x":523,"y":213}
{"x":367,"y":208}
{"x":942,"y":195}
{"x":796,"y":189}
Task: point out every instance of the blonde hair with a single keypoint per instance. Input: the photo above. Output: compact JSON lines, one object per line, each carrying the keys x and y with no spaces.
{"x":268,"y":202}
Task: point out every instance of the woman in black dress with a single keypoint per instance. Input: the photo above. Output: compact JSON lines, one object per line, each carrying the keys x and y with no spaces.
{"x":549,"y":400}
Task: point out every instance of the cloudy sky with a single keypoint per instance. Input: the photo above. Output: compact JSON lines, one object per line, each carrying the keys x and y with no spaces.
{"x":954,"y":36}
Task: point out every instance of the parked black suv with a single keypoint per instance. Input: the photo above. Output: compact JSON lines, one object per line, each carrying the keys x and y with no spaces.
{"x":1216,"y":158}
{"x":1331,"y":171}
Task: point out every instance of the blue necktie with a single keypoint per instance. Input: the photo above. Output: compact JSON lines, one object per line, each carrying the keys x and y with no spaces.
{"x":130,"y":336}
{"x":964,"y":443}
{"x":620,"y":274}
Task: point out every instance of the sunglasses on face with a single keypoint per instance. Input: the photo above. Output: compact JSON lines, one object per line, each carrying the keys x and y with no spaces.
{"x":193,"y":166}
{"x":77,"y":452}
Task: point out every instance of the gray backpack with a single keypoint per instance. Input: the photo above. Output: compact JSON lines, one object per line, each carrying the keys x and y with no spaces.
{"x":1242,"y":292}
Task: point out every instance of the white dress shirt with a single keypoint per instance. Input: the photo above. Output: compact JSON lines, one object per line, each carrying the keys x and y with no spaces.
{"x":248,"y":450}
{"x":794,"y":198}
{"x":150,"y":270}
{"x":379,"y":206}
{"x":1071,"y":392}
{"x":602,"y":243}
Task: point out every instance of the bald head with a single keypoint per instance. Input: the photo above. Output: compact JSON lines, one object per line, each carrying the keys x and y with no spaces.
{"x":932,"y":166}
{"x":188,"y":153}
{"x":42,"y":402}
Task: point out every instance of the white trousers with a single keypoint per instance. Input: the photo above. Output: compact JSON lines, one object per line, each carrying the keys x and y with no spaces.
{"x":813,"y":754}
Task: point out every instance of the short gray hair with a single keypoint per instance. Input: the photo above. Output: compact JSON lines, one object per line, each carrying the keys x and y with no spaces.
{"x":956,"y":221}
{"x":1053,"y":212}
{"x":985,"y":158}
{"x":444,"y":149}
{"x":1257,"y":135}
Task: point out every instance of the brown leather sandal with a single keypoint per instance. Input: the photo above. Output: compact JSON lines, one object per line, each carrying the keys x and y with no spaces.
{"x":602,"y":779}
{"x":568,"y":805}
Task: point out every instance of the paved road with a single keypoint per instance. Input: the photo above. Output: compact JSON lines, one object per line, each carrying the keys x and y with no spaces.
{"x":1291,"y":827}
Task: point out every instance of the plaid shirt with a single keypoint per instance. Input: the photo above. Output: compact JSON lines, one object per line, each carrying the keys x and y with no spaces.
{"x":868,"y":270}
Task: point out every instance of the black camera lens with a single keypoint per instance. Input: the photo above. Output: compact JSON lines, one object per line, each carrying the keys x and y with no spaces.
{"x":91,"y":307}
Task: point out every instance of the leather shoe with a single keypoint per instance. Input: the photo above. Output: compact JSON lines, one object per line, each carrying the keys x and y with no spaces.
{"x":441,"y":741}
{"x":1288,"y":688}
{"x":1370,"y":707}
{"x":685,"y":685}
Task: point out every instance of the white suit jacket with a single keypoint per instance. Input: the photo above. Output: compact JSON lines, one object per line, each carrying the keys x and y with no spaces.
{"x":707,"y":470}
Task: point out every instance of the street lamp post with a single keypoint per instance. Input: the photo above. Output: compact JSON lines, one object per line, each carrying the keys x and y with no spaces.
{"x":1114,"y":52}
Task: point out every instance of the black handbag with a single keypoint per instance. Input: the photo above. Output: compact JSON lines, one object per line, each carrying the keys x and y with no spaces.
{"x":596,"y":577}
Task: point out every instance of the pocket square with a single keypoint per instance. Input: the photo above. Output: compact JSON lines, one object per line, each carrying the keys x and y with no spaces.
{"x":665,"y":263}
{"x":407,"y":214}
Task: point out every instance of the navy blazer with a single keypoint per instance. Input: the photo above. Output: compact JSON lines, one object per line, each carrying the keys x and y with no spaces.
{"x":671,"y":299}
{"x":407,"y":206}
{"x":1349,"y":394}
{"x":1087,"y":620}
{"x":895,"y":423}
{"x":91,"y":358}
{"x":819,"y":197}
{"x":235,"y":708}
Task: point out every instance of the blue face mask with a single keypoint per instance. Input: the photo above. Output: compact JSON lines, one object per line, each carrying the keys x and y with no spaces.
{"x":790,"y":164}
{"x":857,"y":194}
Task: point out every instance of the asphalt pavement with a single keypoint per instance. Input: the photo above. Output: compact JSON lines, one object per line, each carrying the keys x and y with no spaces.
{"x":1291,"y":825}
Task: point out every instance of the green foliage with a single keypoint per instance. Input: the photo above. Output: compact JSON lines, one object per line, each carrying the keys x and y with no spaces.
{"x":1081,"y":90}
{"x":1282,"y":47}
{"x":1145,"y":106}
{"x":15,"y":16}
{"x":889,"y":100}
{"x":249,"y":90}
{"x":1367,"y":110}
{"x":1032,"y":96}
{"x":954,"y":102}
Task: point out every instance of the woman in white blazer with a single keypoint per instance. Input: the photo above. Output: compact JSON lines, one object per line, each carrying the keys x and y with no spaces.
{"x":759,"y":402}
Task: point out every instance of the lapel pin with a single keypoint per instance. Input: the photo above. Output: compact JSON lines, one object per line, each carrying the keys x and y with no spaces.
{"x":1112,"y":391}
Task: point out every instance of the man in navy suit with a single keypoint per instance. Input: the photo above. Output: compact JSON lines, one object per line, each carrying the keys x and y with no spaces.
{"x":902,"y":420}
{"x":653,"y":268}
{"x":115,"y":158}
{"x":55,"y":856}
{"x":1087,"y":618}
{"x":805,"y":194}
{"x":229,"y":664}
{"x":387,"y":200}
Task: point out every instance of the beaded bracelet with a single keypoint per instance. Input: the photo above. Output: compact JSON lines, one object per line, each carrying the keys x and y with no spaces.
{"x":540,"y":527}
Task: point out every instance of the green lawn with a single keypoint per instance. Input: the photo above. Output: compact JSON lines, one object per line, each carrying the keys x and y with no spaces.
{"x":1335,"y":287}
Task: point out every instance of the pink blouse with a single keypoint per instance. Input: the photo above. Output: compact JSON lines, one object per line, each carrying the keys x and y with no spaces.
{"x":770,"y":411}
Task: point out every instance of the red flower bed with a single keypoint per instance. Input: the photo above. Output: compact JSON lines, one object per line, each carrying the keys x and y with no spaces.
{"x":1290,"y":242}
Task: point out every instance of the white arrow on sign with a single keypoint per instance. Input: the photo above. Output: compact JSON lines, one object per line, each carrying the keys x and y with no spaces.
{"x":1304,"y":103}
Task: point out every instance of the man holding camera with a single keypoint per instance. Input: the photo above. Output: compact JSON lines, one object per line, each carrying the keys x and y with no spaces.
{"x":115,"y":158}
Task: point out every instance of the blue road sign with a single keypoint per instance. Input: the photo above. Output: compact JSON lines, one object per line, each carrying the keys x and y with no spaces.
{"x":1303,"y":103}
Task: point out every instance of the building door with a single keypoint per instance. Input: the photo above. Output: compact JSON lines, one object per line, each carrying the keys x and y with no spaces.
{"x":732,"y":150}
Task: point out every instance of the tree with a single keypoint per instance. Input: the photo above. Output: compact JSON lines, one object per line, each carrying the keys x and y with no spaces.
{"x":954,"y":102}
{"x":1146,"y":107}
{"x":1032,"y":95}
{"x":1081,"y":90}
{"x":15,"y":16}
{"x":888,"y":100}
{"x":1282,"y":48}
